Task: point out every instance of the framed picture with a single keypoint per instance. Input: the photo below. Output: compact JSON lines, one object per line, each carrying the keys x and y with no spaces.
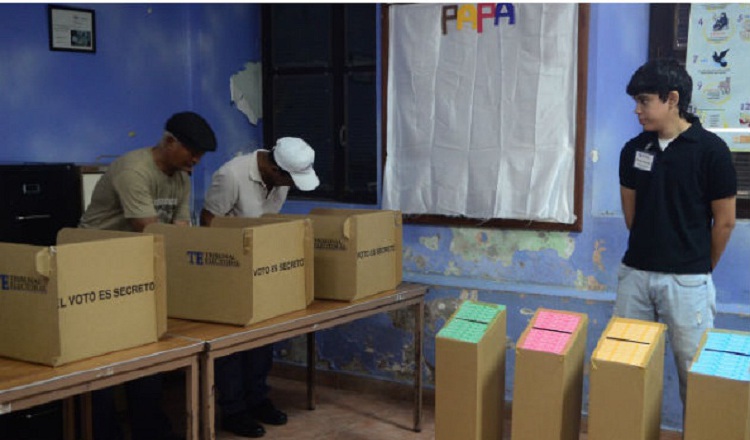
{"x":71,"y":29}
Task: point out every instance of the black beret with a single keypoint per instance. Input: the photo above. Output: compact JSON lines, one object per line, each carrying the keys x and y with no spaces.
{"x":192,"y":130}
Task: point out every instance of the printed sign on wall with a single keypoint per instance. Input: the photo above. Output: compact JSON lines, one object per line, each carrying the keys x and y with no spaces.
{"x":718,"y":60}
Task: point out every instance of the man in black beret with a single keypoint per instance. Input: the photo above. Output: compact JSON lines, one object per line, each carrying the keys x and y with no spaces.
{"x":151,"y":184}
{"x":141,"y":187}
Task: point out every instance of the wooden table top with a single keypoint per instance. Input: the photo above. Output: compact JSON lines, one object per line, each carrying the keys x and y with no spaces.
{"x":18,"y":377}
{"x":317,"y":311}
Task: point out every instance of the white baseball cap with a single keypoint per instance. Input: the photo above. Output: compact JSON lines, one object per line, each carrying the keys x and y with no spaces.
{"x":294,"y":156}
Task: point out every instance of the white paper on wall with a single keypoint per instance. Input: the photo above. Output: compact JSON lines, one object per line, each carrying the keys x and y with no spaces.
{"x":481,"y":117}
{"x":245,"y":88}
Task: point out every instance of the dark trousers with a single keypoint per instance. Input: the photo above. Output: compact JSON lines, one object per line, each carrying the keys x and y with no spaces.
{"x":240,"y":379}
{"x":147,"y":419}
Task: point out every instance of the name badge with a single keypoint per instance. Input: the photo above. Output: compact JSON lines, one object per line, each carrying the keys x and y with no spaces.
{"x":643,"y":161}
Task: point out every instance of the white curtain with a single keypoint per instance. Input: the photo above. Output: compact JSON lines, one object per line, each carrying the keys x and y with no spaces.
{"x":482,"y":124}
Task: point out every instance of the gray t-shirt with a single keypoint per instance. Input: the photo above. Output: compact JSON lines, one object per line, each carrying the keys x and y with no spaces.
{"x":134,"y":187}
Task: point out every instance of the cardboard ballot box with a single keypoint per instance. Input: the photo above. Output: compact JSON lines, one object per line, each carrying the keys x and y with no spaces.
{"x":718,"y":388}
{"x":626,"y":381}
{"x":358,"y":252}
{"x":470,"y":373}
{"x":94,"y":293}
{"x":237,"y":275}
{"x":548,"y":383}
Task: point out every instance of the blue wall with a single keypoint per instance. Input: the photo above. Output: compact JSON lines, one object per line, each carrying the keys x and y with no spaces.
{"x":153,"y":60}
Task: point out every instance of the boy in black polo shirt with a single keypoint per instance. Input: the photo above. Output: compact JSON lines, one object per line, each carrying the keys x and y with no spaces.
{"x":678,"y":188}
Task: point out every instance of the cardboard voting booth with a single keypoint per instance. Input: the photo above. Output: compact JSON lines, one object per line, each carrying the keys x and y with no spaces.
{"x":93,"y":293}
{"x":358,"y":252}
{"x":626,"y":381}
{"x":237,"y":275}
{"x":470,"y":373}
{"x":548,"y":383}
{"x":718,"y":391}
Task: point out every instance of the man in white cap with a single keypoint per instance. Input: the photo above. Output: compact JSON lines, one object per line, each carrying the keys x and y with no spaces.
{"x":257,"y":183}
{"x":249,"y":186}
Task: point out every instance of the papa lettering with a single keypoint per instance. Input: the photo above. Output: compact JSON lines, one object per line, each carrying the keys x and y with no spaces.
{"x":474,"y":15}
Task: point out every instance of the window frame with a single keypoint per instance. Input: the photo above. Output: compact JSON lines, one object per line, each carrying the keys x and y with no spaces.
{"x":339,"y":71}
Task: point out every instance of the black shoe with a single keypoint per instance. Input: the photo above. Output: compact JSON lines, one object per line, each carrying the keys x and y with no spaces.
{"x":267,"y":413}
{"x":243,"y":425}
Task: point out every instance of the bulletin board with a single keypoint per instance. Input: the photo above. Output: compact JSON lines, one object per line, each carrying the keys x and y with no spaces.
{"x":484,"y":113}
{"x":718,"y":59}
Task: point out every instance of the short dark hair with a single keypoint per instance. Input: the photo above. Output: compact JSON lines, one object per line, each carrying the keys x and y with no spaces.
{"x":661,"y":76}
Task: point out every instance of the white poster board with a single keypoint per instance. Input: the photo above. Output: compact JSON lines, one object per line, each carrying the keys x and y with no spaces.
{"x":482,"y":110}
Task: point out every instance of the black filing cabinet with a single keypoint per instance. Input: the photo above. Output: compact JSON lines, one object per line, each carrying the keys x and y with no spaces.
{"x":38,"y":200}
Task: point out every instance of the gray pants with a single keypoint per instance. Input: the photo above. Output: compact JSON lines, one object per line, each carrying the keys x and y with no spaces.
{"x":685,"y":303}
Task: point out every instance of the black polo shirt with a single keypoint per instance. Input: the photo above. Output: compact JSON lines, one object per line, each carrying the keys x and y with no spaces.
{"x":671,"y":230}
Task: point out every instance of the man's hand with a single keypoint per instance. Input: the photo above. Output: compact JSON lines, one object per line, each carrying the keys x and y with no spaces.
{"x":206,"y":217}
{"x":139,"y":224}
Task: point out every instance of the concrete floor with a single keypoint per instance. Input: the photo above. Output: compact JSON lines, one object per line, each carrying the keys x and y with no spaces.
{"x":342,"y":414}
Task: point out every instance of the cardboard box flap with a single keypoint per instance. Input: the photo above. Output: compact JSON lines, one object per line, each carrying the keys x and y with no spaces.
{"x":231,"y":235}
{"x":81,"y":235}
{"x":330,"y":232}
{"x":28,"y":303}
{"x":344,"y":212}
{"x":397,"y":218}
{"x":43,"y":262}
{"x":244,"y":222}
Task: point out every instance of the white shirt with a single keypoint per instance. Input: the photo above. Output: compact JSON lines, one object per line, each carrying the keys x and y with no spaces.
{"x":237,"y":190}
